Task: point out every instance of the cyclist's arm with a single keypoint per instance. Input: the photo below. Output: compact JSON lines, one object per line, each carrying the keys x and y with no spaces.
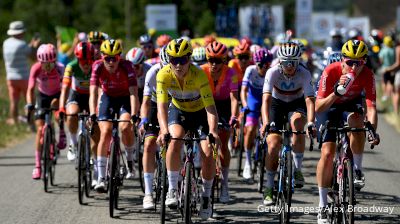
{"x":66,"y":84}
{"x":326,"y":97}
{"x":30,"y":93}
{"x":234,"y":103}
{"x":243,"y":95}
{"x":93,"y":89}
{"x":266,"y":105}
{"x":372,"y":116}
{"x":162,"y":101}
{"x":212,"y":118}
{"x":134,"y":98}
{"x":145,"y":108}
{"x":310,"y":103}
{"x":370,"y":98}
{"x":323,"y":104}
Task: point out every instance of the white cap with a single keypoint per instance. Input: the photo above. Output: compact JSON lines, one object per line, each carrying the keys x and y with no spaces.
{"x":16,"y":28}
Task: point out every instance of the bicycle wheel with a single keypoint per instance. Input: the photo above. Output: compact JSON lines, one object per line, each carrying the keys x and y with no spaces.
{"x":335,"y":216}
{"x":113,"y":179}
{"x":163,"y":189}
{"x":286,"y":196}
{"x":139,"y":156}
{"x":46,"y":158}
{"x":53,"y":156}
{"x":241,"y":146}
{"x":88,"y":168}
{"x":157,"y":182}
{"x":81,"y":168}
{"x":188,"y":192}
{"x":261,"y":167}
{"x":348,"y":193}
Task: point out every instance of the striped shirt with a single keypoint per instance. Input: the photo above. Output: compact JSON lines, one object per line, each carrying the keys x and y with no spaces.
{"x":15,"y":54}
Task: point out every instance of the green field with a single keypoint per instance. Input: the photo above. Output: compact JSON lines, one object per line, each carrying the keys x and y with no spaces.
{"x":9,"y":134}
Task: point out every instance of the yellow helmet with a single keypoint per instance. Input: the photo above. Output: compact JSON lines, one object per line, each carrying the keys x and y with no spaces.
{"x":354,"y":49}
{"x":179,"y":48}
{"x":388,"y":41}
{"x":111,"y":47}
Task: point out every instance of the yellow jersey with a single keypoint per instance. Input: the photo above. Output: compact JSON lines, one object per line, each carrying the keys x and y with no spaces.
{"x":194,"y":95}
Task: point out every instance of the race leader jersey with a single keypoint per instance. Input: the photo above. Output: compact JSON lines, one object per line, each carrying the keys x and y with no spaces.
{"x":49,"y":83}
{"x":288,"y":88}
{"x":75,"y":79}
{"x":225,"y":84}
{"x":116,"y":84}
{"x":194,"y":95}
{"x":365,"y":81}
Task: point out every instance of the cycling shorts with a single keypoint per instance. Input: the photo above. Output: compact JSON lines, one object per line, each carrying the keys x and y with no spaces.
{"x":193,"y":121}
{"x":82,"y":100}
{"x":281,"y":109}
{"x":153,"y":120}
{"x":224,"y":110}
{"x":109,"y":105}
{"x":43,"y":101}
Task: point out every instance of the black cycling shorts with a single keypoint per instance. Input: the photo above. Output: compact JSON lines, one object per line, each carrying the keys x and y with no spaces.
{"x":153,"y":120}
{"x":109,"y":105}
{"x":82,"y":100}
{"x":224,"y":110}
{"x":43,"y":101}
{"x":281,"y":109}
{"x":192,"y":121}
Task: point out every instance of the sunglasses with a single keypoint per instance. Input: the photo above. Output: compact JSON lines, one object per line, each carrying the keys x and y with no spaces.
{"x":147,"y":46}
{"x":243,"y":57}
{"x":263,"y":65}
{"x":215,"y":60}
{"x":292,"y":63}
{"x":179,"y":60}
{"x":351,"y":62}
{"x":109,"y":59}
{"x":137,"y":66}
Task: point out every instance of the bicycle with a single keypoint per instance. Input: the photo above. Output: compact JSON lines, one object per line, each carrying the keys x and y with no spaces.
{"x":286,"y":180}
{"x":50,"y":151}
{"x":342,"y":194}
{"x":116,"y":165}
{"x":83,"y":158}
{"x":189,"y":192}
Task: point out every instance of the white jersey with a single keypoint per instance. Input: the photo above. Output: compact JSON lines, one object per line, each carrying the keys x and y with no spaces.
{"x":150,"y":83}
{"x":287,"y":88}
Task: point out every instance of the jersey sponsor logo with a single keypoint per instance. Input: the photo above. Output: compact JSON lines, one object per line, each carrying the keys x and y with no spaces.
{"x":287,"y":86}
{"x":324,"y":76}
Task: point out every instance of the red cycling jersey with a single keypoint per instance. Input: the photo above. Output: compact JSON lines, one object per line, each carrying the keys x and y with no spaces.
{"x":116,"y":84}
{"x":365,"y":81}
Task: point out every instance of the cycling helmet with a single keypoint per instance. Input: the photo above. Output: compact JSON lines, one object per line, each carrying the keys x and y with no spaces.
{"x":355,"y":49}
{"x":334,"y":57}
{"x":301,"y":45}
{"x":199,"y":54}
{"x":84,"y":51}
{"x":111,"y":47}
{"x":135,"y":55}
{"x":145,"y":39}
{"x":208,"y":39}
{"x":263,"y":56}
{"x":46,"y":53}
{"x":388,"y":41}
{"x":163,"y":40}
{"x":216,"y":50}
{"x":179,"y":48}
{"x":254,"y":48}
{"x":242,"y":48}
{"x":164,"y":56}
{"x":289,"y":51}
{"x":96,"y":37}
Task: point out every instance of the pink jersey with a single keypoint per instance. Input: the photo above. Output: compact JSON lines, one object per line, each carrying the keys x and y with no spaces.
{"x":49,"y":83}
{"x":227,"y":82}
{"x":116,"y":84}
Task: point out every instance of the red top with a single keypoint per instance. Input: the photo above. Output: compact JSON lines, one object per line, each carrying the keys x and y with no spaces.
{"x":116,"y":84}
{"x":365,"y":81}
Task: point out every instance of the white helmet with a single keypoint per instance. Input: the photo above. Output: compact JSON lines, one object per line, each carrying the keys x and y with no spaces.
{"x":135,"y":55}
{"x":199,"y":54}
{"x":164,"y":56}
{"x":254,"y":48}
{"x":289,"y":51}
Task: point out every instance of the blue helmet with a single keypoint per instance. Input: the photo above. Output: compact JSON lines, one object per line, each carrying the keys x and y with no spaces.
{"x":334,"y":57}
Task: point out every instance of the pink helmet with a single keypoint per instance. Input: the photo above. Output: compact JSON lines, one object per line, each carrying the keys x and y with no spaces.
{"x":262,"y":55}
{"x":46,"y":53}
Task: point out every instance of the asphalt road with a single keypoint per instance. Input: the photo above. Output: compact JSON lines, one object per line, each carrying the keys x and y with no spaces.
{"x":22,"y":200}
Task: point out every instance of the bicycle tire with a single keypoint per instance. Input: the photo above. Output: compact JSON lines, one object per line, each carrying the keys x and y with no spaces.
{"x":286,"y":197}
{"x":241,"y":146}
{"x":334,"y":213}
{"x":52,"y":164}
{"x":157,"y":182}
{"x":81,"y":169}
{"x":188,"y":192}
{"x":140,"y":162}
{"x":163,"y":190}
{"x":113,"y":178}
{"x":348,"y":194}
{"x":88,"y":168}
{"x":46,"y":158}
{"x":261,"y":168}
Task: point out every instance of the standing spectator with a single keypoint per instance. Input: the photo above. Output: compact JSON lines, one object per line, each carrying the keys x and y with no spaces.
{"x":386,"y":59}
{"x":15,"y":53}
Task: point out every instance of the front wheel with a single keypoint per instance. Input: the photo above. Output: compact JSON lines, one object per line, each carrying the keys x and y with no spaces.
{"x":188,"y":191}
{"x":46,"y":158}
{"x":113,"y":185}
{"x":241,"y":146}
{"x":348,"y":193}
{"x":81,"y":169}
{"x":287,"y":186}
{"x":261,"y":167}
{"x":163,"y":190}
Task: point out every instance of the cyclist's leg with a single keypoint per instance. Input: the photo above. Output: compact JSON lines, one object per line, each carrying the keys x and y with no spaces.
{"x":72,"y":124}
{"x":357,"y":141}
{"x":122,"y":104}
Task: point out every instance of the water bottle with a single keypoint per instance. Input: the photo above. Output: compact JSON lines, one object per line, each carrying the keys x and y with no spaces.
{"x":342,"y":89}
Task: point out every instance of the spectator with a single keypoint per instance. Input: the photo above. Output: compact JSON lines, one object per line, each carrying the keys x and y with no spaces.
{"x":15,"y":53}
